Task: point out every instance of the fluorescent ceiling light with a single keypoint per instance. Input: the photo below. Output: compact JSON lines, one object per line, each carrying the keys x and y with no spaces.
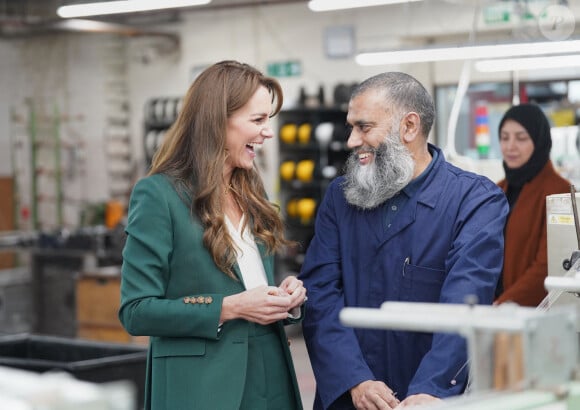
{"x":91,"y":26}
{"x":123,"y":6}
{"x":327,"y":5}
{"x":529,"y":63}
{"x":468,"y":52}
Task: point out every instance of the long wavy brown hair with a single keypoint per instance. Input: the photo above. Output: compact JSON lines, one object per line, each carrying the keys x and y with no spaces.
{"x":193,"y":156}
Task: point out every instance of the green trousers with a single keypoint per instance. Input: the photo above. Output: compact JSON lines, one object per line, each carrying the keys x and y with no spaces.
{"x":268,"y":380}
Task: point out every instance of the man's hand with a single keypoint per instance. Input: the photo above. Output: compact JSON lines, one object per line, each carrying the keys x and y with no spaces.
{"x":373,"y":395}
{"x":417,"y":400}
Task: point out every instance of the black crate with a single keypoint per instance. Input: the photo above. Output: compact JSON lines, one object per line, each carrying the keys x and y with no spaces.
{"x":16,"y":307}
{"x":90,"y":361}
{"x":54,"y":279}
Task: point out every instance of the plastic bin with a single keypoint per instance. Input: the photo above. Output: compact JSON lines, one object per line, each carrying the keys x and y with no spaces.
{"x":86,"y":360}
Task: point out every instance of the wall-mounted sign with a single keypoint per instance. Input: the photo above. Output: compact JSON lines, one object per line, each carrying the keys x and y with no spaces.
{"x":285,"y":69}
{"x":514,"y":11}
{"x":339,"y":41}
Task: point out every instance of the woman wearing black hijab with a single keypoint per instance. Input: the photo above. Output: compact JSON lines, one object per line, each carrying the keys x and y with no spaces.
{"x":525,"y":142}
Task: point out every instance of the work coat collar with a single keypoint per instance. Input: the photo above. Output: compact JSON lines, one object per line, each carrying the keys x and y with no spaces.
{"x":427,"y":195}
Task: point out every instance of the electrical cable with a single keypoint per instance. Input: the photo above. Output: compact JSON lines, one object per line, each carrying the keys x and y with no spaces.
{"x":462,"y":86}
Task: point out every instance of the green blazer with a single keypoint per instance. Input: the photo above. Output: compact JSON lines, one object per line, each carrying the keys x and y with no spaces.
{"x":172,"y":291}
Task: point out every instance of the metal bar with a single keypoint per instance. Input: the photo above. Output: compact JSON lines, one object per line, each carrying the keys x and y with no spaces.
{"x":32,"y":130}
{"x":566,"y":284}
{"x":426,"y":317}
{"x":575,"y":212}
{"x":58,"y":167}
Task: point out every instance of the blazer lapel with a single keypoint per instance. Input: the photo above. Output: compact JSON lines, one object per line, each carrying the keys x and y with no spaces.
{"x":238,"y":272}
{"x":266,"y":260}
{"x":268,"y":265}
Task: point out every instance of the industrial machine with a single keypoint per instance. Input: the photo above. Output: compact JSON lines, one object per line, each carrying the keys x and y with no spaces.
{"x":563,"y":243}
{"x":514,"y":352}
{"x":41,"y":298}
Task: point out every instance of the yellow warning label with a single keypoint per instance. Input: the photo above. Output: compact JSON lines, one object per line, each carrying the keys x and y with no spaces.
{"x":555,"y":219}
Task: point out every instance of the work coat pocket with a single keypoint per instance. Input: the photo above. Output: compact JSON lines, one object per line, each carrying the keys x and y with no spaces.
{"x":421,"y":284}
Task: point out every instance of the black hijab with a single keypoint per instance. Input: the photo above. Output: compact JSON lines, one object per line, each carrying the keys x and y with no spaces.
{"x":533,"y":119}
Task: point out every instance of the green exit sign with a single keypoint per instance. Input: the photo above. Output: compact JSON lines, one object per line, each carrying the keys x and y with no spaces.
{"x":510,"y":12}
{"x":285,"y":69}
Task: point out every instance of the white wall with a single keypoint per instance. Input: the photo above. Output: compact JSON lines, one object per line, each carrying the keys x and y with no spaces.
{"x":61,"y":76}
{"x":262,"y":35}
{"x":68,"y":68}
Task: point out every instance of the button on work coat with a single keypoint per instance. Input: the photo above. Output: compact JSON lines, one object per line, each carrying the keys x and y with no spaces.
{"x":445,"y":244}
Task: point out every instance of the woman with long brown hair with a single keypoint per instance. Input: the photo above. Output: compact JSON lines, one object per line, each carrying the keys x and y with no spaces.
{"x":197,"y":271}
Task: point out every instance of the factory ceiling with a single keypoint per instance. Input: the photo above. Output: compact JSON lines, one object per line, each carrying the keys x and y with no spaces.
{"x":24,"y":18}
{"x":33,"y":17}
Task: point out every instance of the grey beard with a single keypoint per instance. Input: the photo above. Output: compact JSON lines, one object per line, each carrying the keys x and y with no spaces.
{"x":369,"y":186}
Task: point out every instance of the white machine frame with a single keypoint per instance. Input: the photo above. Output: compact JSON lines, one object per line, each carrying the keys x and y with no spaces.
{"x":550,"y":349}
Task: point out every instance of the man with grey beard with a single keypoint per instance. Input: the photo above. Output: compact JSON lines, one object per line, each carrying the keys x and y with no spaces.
{"x":401,"y":225}
{"x":370,"y":186}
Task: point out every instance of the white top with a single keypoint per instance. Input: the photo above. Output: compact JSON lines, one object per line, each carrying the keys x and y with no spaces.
{"x":248,"y":256}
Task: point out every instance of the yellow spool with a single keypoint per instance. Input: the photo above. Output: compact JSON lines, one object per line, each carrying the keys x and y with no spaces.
{"x":305,"y":170}
{"x":306,"y":208}
{"x":292,"y":208}
{"x":287,"y":169}
{"x":304,"y":132}
{"x":288,"y":133}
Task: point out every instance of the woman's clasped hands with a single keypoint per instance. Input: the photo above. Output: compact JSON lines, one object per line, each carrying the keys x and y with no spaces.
{"x":266,"y":304}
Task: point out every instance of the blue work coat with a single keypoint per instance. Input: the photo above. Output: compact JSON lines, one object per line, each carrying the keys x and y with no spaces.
{"x":445,"y":244}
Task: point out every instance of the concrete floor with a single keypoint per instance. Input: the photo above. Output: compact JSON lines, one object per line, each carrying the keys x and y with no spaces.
{"x":302,"y":365}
